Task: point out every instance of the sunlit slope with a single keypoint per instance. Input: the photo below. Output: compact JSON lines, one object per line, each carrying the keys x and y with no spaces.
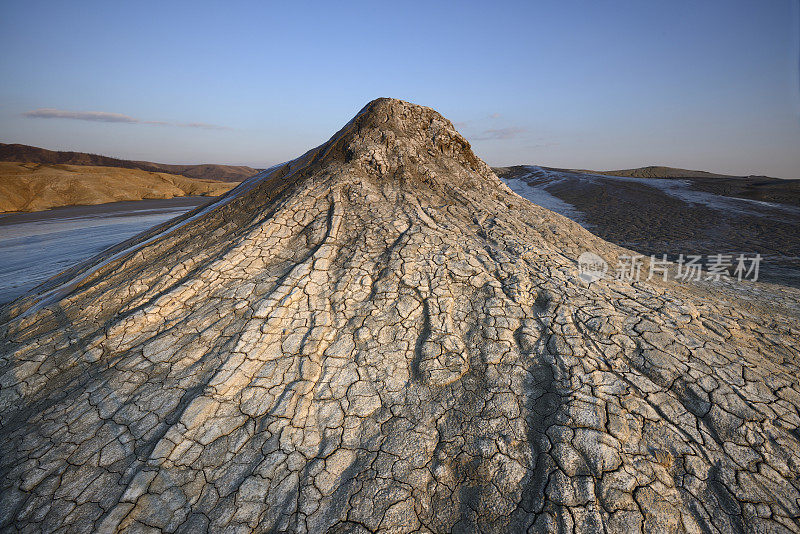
{"x":35,"y":187}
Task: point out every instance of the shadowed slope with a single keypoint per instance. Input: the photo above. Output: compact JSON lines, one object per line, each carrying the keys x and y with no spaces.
{"x":380,"y":335}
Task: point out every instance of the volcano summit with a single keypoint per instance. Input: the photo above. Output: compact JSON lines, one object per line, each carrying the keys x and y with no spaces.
{"x":381,"y":336}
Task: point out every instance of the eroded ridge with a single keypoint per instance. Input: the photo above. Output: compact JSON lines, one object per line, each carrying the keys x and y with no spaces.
{"x":379,"y":336}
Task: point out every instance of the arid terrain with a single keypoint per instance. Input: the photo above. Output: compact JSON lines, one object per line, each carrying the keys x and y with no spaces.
{"x":205,"y":171}
{"x":380,"y":336}
{"x":36,"y":186}
{"x":659,"y":210}
{"x":759,"y":188}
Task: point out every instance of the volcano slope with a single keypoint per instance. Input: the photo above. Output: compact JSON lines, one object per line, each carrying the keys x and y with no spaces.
{"x":380,"y":336}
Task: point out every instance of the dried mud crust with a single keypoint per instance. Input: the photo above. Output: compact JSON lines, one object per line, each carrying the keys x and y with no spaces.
{"x":645,"y":218}
{"x":380,"y":336}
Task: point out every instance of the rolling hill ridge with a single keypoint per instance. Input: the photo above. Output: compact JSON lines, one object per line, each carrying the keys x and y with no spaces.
{"x":38,"y":186}
{"x":31,"y":154}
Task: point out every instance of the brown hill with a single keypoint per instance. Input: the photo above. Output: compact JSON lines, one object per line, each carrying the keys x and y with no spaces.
{"x":206,"y":171}
{"x":654,"y":171}
{"x":35,"y":186}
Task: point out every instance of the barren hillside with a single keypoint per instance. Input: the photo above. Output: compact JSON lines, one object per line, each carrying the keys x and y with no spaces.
{"x":381,"y":336}
{"x":35,"y":187}
{"x":206,"y":171}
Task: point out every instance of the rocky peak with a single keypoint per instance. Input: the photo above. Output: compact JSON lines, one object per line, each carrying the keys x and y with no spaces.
{"x":391,"y":138}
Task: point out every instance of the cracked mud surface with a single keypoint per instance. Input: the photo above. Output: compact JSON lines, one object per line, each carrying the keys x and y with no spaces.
{"x":380,"y":336}
{"x":655,"y":216}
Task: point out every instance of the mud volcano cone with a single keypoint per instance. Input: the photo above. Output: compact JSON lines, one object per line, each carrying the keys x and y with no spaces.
{"x":380,"y":336}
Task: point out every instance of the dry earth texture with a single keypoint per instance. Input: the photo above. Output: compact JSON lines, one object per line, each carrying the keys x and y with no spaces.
{"x":205,"y":171}
{"x":690,"y":216}
{"x":654,"y":171}
{"x":763,"y":188}
{"x":36,"y":187}
{"x":380,"y":336}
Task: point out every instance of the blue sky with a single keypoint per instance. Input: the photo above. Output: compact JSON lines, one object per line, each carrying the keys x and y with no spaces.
{"x":709,"y":84}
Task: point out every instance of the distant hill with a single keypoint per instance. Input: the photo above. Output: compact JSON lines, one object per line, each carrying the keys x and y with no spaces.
{"x":654,"y":171}
{"x":31,"y":154}
{"x":37,"y":186}
{"x":760,"y":188}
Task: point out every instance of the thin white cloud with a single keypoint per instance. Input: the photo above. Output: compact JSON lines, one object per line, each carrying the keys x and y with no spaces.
{"x":499,"y":134}
{"x":104,"y":116}
{"x":203,"y":125}
{"x":97,"y":116}
{"x":542,"y":145}
{"x":468,"y":123}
